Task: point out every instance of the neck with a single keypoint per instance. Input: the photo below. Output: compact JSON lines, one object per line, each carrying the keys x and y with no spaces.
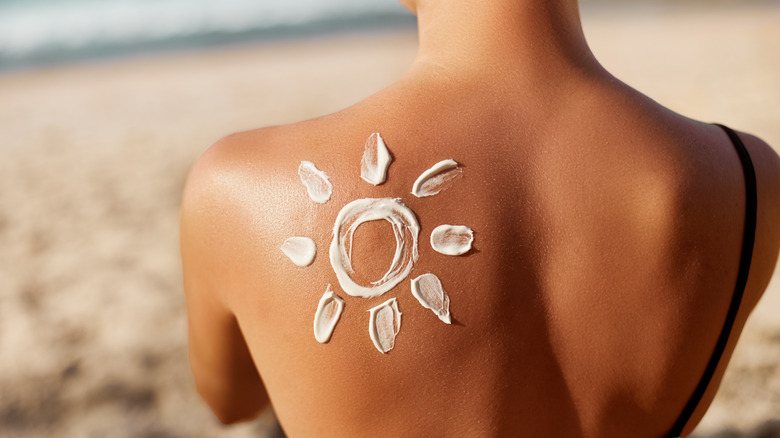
{"x":524,"y":37}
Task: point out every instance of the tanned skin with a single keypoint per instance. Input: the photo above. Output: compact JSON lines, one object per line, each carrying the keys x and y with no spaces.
{"x":608,"y":236}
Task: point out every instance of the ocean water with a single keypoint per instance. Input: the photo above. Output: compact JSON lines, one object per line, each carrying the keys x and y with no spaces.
{"x":43,"y":32}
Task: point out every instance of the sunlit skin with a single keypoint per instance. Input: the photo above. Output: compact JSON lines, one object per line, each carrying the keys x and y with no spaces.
{"x":608,"y":231}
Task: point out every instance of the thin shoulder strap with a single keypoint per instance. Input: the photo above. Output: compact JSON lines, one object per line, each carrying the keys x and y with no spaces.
{"x":744,"y":267}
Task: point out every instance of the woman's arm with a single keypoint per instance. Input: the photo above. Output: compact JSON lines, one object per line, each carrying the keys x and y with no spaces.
{"x":225,"y":374}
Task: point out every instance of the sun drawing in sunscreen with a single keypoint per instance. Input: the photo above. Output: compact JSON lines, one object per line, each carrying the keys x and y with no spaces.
{"x":454,"y":240}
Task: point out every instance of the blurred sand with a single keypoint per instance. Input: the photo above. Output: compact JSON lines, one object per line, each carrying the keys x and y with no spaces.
{"x":94,"y":157}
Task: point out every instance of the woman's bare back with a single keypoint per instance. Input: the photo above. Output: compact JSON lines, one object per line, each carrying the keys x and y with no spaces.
{"x":607,"y":239}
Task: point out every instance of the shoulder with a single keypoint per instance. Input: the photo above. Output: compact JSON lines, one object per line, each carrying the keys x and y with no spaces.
{"x":238,"y":195}
{"x":223,"y":190}
{"x":218,"y":179}
{"x":767,"y":244}
{"x":767,"y":164}
{"x":226,"y":161}
{"x":234,"y":170}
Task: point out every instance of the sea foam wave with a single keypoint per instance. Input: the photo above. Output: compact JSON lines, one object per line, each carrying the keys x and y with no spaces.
{"x":38,"y":26}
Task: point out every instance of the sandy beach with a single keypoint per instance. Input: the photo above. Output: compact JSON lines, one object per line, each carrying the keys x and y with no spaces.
{"x":94,"y":158}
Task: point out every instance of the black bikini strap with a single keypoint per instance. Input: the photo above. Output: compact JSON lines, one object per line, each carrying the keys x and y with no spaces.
{"x":742,"y":276}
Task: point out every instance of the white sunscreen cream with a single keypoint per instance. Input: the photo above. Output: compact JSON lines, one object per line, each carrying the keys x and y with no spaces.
{"x":429,"y":292}
{"x":383,"y":325}
{"x":301,"y":250}
{"x":376,"y":160}
{"x":328,"y":314}
{"x":406,"y":231}
{"x":437,"y":178}
{"x":452,"y":239}
{"x":316,"y":182}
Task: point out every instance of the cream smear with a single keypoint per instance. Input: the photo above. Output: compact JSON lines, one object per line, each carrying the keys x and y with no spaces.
{"x":384,"y":323}
{"x":437,"y":178}
{"x":452,"y":239}
{"x":406,"y":231}
{"x":376,"y":160}
{"x":429,"y":292}
{"x":316,"y":182}
{"x":301,"y":250}
{"x":327,"y":315}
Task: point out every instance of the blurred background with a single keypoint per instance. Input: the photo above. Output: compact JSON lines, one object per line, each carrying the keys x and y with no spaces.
{"x":106,"y":104}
